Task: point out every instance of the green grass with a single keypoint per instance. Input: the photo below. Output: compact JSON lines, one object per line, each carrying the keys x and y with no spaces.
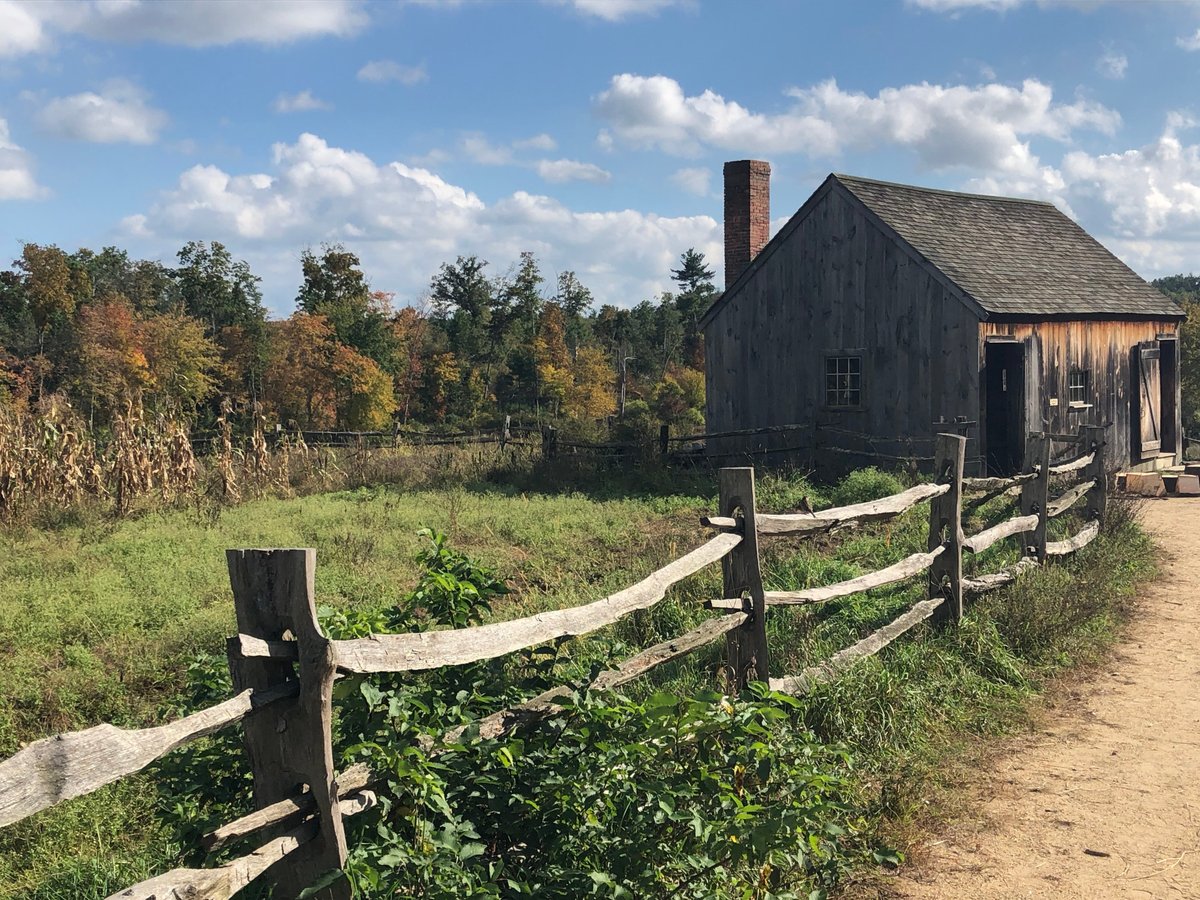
{"x":99,"y":619}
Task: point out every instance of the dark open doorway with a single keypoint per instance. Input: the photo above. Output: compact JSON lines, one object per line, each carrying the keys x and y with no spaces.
{"x":1169,"y":371}
{"x":1004,"y":400}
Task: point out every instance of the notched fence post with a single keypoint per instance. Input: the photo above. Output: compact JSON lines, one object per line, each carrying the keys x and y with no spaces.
{"x":746,"y":645}
{"x":1035,"y":494}
{"x":1094,"y":437}
{"x":289,"y":743}
{"x":945,"y":528}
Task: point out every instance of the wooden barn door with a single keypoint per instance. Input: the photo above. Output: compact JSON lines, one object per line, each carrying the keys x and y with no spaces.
{"x":1149,"y":396}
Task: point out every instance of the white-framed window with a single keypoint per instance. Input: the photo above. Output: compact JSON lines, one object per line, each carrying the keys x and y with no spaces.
{"x":843,"y":381}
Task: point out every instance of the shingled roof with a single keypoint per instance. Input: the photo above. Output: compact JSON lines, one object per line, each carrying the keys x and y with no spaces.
{"x":1013,"y":257}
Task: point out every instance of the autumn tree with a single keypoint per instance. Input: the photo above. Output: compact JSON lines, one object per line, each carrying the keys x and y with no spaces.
{"x":299,"y":385}
{"x":364,"y":397}
{"x":553,"y":361}
{"x":182,"y":360}
{"x":410,"y":329}
{"x":591,"y":396}
{"x":113,"y":369}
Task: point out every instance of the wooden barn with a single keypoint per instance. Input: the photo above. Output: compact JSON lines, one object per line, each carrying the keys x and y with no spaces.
{"x":881,"y":311}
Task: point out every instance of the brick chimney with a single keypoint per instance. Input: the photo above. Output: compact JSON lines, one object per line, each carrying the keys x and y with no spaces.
{"x":747,"y":213}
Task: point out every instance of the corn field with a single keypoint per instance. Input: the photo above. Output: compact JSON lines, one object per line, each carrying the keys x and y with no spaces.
{"x":50,"y":461}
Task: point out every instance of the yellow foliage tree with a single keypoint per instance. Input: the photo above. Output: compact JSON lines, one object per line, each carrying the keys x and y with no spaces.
{"x":365,"y":399}
{"x":591,"y":395}
{"x":552,"y":359}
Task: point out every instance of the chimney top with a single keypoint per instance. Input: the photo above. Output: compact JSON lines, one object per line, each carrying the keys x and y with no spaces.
{"x":747,"y":213}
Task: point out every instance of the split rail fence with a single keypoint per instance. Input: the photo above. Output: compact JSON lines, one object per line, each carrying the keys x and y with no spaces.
{"x":284,"y":667}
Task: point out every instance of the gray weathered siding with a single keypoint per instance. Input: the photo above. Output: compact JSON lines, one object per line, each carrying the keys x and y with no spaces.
{"x":840,"y":283}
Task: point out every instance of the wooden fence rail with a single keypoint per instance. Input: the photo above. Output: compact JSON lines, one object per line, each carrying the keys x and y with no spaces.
{"x":283,"y":666}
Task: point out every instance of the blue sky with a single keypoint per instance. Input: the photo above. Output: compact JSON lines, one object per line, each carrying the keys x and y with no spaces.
{"x":591,"y":132}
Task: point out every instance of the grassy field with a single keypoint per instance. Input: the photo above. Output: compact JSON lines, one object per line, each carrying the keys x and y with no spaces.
{"x":101,"y":619}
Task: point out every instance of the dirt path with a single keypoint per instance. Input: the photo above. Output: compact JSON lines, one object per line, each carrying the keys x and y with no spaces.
{"x":1105,"y":800}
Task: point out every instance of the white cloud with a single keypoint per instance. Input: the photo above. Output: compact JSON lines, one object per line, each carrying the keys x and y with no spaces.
{"x":537,"y":142}
{"x":27,"y":27}
{"x":383,"y":70}
{"x":1191,"y":43}
{"x":301,"y":102}
{"x":617,"y":10}
{"x":20,"y":29}
{"x":1112,"y":64}
{"x":480,"y":150}
{"x":694,"y":180}
{"x":559,"y":171}
{"x":477,"y":148}
{"x":953,"y":6}
{"x":985,"y":127}
{"x":118,"y":114}
{"x":16,"y":170}
{"x":404,"y":221}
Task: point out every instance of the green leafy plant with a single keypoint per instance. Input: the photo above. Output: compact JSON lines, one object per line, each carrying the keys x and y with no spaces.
{"x":454,"y":589}
{"x":669,"y":796}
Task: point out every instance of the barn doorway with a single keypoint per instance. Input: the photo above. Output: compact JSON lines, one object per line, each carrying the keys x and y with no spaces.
{"x":1004,"y":413}
{"x":1168,"y":348}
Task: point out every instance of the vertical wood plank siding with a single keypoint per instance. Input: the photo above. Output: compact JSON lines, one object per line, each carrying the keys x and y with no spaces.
{"x":840,"y":284}
{"x":1106,"y":350}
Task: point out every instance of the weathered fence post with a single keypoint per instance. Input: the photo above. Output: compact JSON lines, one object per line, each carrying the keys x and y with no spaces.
{"x":664,"y":441}
{"x":1095,"y":437}
{"x":549,"y":442}
{"x":746,"y":645}
{"x":945,"y":527}
{"x":1035,"y":494}
{"x":289,"y":743}
{"x":505,"y":432}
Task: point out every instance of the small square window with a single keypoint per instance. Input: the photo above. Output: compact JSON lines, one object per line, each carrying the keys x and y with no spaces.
{"x":1079,"y":387}
{"x":843,"y":382}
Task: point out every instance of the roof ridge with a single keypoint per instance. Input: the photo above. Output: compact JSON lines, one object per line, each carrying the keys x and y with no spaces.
{"x":843,"y":177}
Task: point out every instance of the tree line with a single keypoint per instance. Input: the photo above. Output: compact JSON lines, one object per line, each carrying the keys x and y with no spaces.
{"x":112,"y":334}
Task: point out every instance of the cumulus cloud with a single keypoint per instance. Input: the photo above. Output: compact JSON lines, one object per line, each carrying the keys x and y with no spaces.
{"x":559,"y":171}
{"x":28,"y":27}
{"x":405,"y":220}
{"x":20,"y":29}
{"x":16,"y":170}
{"x":120,"y":113}
{"x":694,"y":180}
{"x":301,"y":102}
{"x":1112,"y":64}
{"x":984,"y":127}
{"x":381,"y":71}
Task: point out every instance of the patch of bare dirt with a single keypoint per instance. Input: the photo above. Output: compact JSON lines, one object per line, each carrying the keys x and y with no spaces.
{"x":1104,"y":800}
